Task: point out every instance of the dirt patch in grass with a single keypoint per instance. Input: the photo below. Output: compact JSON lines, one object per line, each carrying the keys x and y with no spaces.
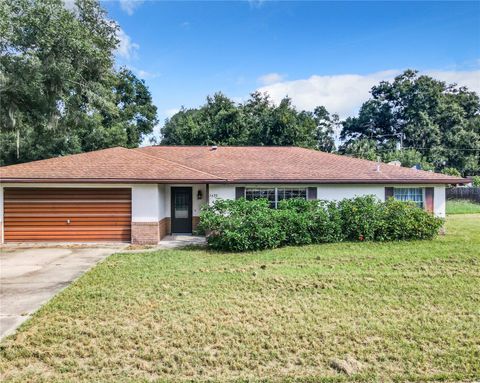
{"x":341,"y":312}
{"x":349,"y":366}
{"x":139,"y":247}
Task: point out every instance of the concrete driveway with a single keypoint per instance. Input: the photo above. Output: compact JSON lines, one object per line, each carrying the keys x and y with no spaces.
{"x":30,"y":276}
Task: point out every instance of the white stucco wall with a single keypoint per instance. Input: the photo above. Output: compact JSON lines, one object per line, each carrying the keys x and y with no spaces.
{"x":162,"y":195}
{"x":439,"y":200}
{"x":145,"y":203}
{"x":339,"y":192}
{"x":197,"y":203}
{"x":219,"y":191}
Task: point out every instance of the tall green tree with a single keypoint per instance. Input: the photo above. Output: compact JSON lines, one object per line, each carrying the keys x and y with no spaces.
{"x":362,"y":148}
{"x":59,"y":90}
{"x":408,"y":158}
{"x":327,"y":124}
{"x":440,"y":121}
{"x":257,"y":121}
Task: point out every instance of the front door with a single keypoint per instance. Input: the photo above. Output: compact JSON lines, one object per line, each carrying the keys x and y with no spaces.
{"x":181,"y":210}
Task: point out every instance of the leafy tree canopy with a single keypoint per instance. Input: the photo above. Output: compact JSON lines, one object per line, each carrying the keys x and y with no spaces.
{"x":438,"y":123}
{"x":59,"y":90}
{"x":255,"y":122}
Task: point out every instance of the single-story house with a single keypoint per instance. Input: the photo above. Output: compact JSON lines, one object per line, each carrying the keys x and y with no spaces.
{"x":140,"y":195}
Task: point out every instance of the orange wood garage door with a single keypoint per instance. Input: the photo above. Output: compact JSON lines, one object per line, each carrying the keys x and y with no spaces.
{"x":67,"y":215}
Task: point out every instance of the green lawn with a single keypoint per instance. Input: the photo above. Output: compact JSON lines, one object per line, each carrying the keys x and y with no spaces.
{"x":405,"y":311}
{"x":462,"y":207}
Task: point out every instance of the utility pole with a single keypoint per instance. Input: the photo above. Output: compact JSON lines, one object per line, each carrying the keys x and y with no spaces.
{"x":400,"y":144}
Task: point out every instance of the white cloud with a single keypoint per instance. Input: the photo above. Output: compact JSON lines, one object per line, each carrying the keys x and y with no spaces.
{"x":143,"y":74}
{"x":270,"y":78}
{"x":126,"y":47}
{"x":344,"y":94}
{"x":470,"y":79}
{"x":168,"y":113}
{"x":146,"y":75}
{"x":129,"y":6}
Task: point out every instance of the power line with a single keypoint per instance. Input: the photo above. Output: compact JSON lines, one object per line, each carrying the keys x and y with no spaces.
{"x":423,"y":148}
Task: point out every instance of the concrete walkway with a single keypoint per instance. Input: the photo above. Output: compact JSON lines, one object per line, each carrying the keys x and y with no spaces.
{"x":179,"y":241}
{"x":30,"y":276}
{"x":169,"y":242}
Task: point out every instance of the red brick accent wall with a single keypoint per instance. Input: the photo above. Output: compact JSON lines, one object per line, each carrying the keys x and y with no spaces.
{"x":169,"y":226}
{"x":195,"y":222}
{"x":145,"y":233}
{"x":164,"y":227}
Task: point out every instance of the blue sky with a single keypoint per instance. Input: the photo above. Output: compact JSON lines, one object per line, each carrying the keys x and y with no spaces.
{"x":327,"y":53}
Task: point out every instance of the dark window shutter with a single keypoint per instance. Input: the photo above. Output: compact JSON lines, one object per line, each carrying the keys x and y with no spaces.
{"x":311,"y":193}
{"x":239,"y":192}
{"x":429,"y":194}
{"x":388,"y":193}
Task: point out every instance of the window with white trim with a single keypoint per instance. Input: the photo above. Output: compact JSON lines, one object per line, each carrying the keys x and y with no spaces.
{"x":410,"y":194}
{"x":275,"y":195}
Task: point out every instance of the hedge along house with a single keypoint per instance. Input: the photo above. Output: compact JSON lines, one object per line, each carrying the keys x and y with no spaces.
{"x":141,"y":195}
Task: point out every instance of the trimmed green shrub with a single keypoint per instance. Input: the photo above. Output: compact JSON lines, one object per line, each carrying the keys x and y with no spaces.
{"x":405,"y":221}
{"x":308,"y":222}
{"x":361,"y":217}
{"x":243,"y":225}
{"x":327,"y":223}
{"x":295,"y":226}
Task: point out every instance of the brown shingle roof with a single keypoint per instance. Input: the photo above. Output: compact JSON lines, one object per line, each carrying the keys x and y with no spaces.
{"x":189,"y":164}
{"x":107,"y":165}
{"x":290,"y":164}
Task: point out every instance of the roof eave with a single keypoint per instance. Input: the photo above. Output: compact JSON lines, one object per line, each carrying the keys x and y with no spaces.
{"x":106,"y":180}
{"x":445,"y":181}
{"x":390,"y":181}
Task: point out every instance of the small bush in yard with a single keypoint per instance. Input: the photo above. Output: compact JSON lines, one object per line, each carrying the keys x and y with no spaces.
{"x":241,"y":225}
{"x":252,"y":225}
{"x":361,"y":217}
{"x":306,"y":222}
{"x":327,"y":223}
{"x":405,"y":221}
{"x":294,"y":218}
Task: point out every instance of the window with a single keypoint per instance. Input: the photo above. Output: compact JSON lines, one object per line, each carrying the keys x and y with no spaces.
{"x":291,"y":193}
{"x":257,"y":193}
{"x":275,"y":195}
{"x":409,"y":194}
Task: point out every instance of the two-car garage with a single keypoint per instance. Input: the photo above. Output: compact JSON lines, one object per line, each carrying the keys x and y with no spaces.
{"x":67,"y":214}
